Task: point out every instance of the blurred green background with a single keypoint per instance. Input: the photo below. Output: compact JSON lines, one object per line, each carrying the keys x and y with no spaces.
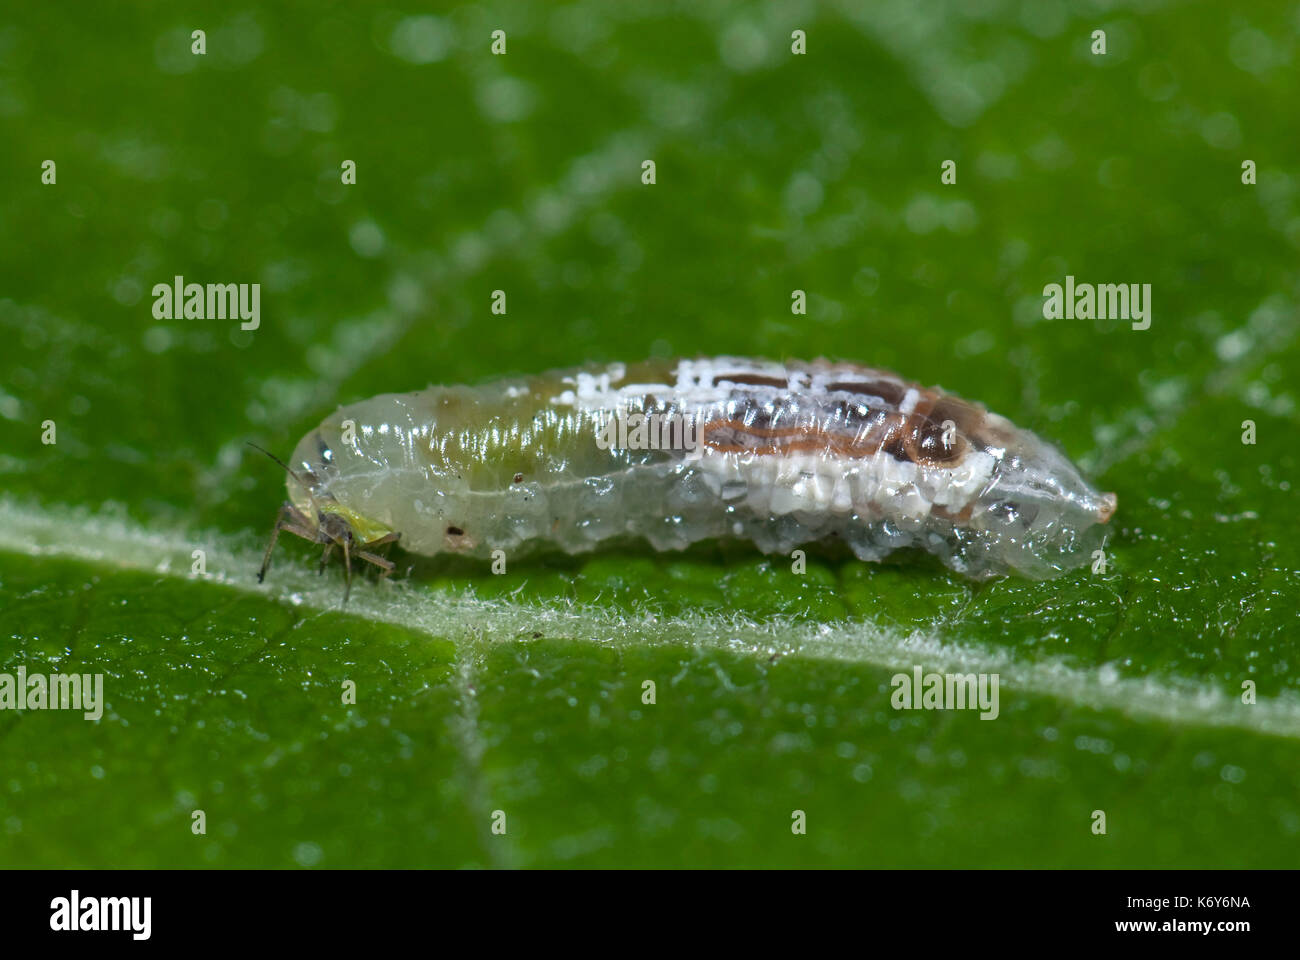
{"x":523,"y":693}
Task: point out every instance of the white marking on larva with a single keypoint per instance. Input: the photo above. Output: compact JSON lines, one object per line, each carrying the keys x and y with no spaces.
{"x":779,"y":458}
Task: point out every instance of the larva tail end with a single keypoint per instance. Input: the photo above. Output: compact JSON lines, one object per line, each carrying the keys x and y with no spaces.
{"x":1107,"y":508}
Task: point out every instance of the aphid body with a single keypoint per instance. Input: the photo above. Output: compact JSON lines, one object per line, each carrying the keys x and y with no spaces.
{"x":781,"y":454}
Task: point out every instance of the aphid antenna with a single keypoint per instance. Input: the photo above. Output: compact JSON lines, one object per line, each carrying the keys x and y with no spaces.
{"x":284,"y":465}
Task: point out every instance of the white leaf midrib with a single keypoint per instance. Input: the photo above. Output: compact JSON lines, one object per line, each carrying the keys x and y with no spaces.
{"x":120,"y":543}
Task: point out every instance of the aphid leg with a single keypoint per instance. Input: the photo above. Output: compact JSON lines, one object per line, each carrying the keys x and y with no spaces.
{"x":386,"y":566}
{"x":379,"y":557}
{"x":385,"y":543}
{"x":325,"y":556}
{"x":347,"y":569}
{"x":295,"y":523}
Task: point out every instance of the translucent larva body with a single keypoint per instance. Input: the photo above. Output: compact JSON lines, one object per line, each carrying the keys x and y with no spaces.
{"x":782,"y":454}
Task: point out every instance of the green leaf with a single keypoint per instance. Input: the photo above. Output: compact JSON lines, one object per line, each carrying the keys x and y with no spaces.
{"x":1120,"y":691}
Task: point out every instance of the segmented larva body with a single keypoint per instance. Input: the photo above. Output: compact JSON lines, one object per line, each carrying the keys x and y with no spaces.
{"x":782,"y":454}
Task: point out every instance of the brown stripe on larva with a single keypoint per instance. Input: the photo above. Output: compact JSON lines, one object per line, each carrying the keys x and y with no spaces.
{"x":923,"y":433}
{"x":735,"y":436}
{"x":749,"y":380}
{"x":891,"y":392}
{"x":923,"y":442}
{"x":967,"y":416}
{"x":914,"y":437}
